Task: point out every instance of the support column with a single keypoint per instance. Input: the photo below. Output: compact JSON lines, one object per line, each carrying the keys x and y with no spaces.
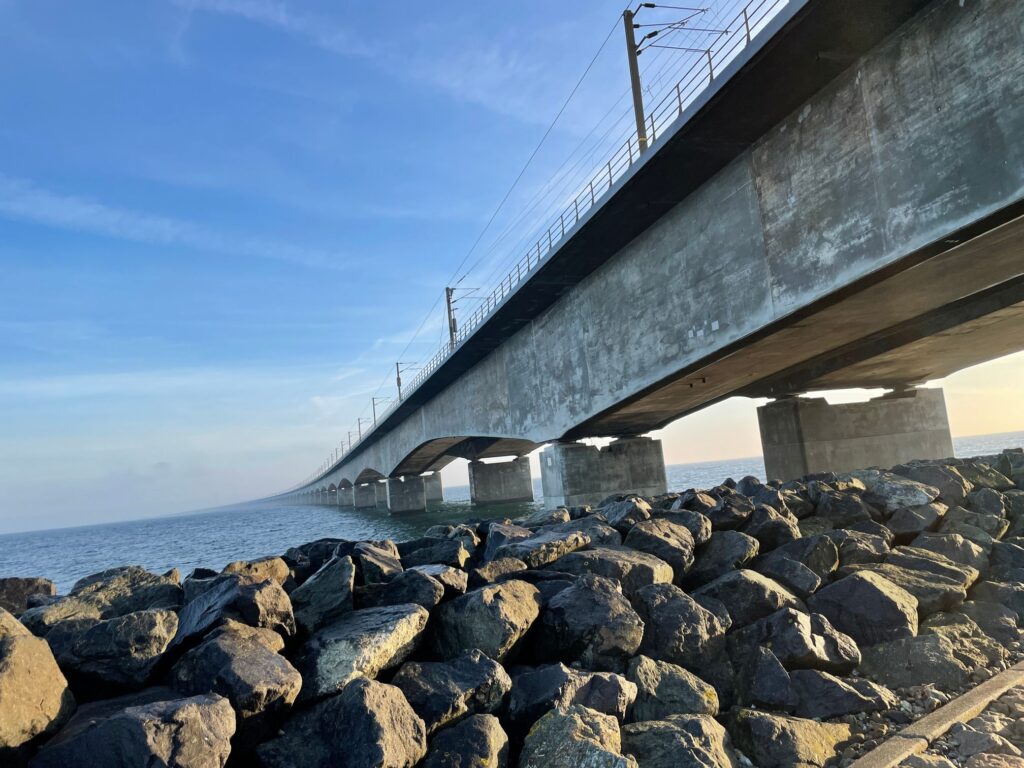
{"x":346,"y":497}
{"x":406,"y":494}
{"x":574,"y":473}
{"x":433,"y":488}
{"x":364,"y":496}
{"x":504,"y":481}
{"x":802,"y":435}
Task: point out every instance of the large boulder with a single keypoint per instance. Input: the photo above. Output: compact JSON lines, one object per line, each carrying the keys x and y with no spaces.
{"x":823,"y":696}
{"x":1009,"y":594}
{"x":676,"y":627}
{"x":476,"y":742}
{"x":536,"y":690}
{"x":15,"y":592}
{"x":633,"y":569}
{"x":771,"y":528}
{"x":543,"y":548}
{"x":444,"y":692}
{"x":679,"y":741}
{"x":244,"y":665}
{"x":665,"y":689}
{"x":792,"y":574}
{"x":151,"y":729}
{"x":725,"y":551}
{"x":981,"y":474}
{"x":666,"y":540}
{"x":230,"y":596}
{"x":360,"y":643}
{"x":761,"y":681}
{"x":777,"y":741}
{"x":34,"y":696}
{"x":867,"y":607}
{"x":623,"y":515}
{"x":731,"y":509}
{"x":932,"y":592}
{"x":924,"y":561}
{"x":856,"y":547}
{"x":748,"y":596}
{"x":500,"y":534}
{"x":907,"y":523}
{"x":493,"y":619}
{"x":594,"y":526}
{"x":697,"y":524}
{"x":454,"y":580}
{"x":799,"y":641}
{"x":264,"y":568}
{"x":913,"y":661}
{"x":407,"y":587}
{"x":842,"y":509}
{"x":574,"y":737}
{"x":894,"y":491}
{"x":996,"y":621}
{"x":819,"y":553}
{"x":368,"y":725}
{"x":325,"y":595}
{"x":590,"y":622}
{"x":379,"y":562}
{"x":954,"y":547}
{"x":952,"y":486}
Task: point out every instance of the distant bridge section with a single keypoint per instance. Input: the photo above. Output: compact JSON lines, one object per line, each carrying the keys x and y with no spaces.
{"x":840,"y":207}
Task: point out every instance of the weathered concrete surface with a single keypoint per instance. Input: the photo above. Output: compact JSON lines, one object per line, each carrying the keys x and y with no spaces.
{"x":500,"y":481}
{"x":433,"y":488}
{"x":406,"y":494}
{"x":574,"y":473}
{"x":846,"y":244}
{"x":801,"y":436}
{"x":365,"y":496}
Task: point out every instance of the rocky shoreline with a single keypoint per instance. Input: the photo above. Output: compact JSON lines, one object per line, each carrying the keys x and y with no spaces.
{"x":750,"y":624}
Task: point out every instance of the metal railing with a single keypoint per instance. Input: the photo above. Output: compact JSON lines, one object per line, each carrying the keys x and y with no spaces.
{"x":737,"y":35}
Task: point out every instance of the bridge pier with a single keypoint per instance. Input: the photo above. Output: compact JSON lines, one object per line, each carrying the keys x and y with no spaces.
{"x":364,"y":496}
{"x":500,"y":482}
{"x":346,"y":497}
{"x":406,"y":494}
{"x":432,"y":488}
{"x":800,"y":436}
{"x":575,"y":473}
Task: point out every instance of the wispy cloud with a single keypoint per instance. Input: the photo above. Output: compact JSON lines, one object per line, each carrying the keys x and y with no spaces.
{"x":22,"y":199}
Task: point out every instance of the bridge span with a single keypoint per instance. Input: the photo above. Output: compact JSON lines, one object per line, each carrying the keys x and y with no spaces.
{"x":840,"y":206}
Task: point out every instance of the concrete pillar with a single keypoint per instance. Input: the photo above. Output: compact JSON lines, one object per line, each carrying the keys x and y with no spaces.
{"x":433,"y":488}
{"x":574,"y":473}
{"x":406,"y":494}
{"x":802,"y":435}
{"x":381,"y":491}
{"x":346,"y":497}
{"x":499,"y":482}
{"x":364,"y":496}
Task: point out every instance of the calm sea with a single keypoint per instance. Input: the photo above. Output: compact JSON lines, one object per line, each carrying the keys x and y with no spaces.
{"x":214,"y":538}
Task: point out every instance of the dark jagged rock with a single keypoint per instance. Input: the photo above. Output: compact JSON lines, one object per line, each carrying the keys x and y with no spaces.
{"x":818,"y":553}
{"x":952,"y":486}
{"x":856,"y":548}
{"x":792,"y":574}
{"x":914,"y":661}
{"x":800,"y":641}
{"x":680,"y":741}
{"x":378,"y":728}
{"x":623,"y":515}
{"x":725,"y":551}
{"x":633,"y":569}
{"x":842,"y":509}
{"x":230,"y":596}
{"x":771,"y":528}
{"x":1009,"y":594}
{"x":982,"y":475}
{"x":763,"y":682}
{"x":953,"y":547}
{"x":493,"y":619}
{"x":824,"y":696}
{"x":892,"y":491}
{"x":378,"y":564}
{"x":452,"y":552}
{"x":923,"y":560}
{"x":932,"y":592}
{"x":495,"y":570}
{"x":697,"y":524}
{"x":360,"y":643}
{"x":996,"y":621}
{"x":777,"y":741}
{"x":274,"y":568}
{"x":535,"y":691}
{"x":1006,"y":558}
{"x":665,"y":689}
{"x":666,"y":540}
{"x":572,"y":737}
{"x":476,"y":742}
{"x":986,"y":501}
{"x":593,"y":525}
{"x":454,"y":580}
{"x":589,"y":622}
{"x":15,"y":592}
{"x":499,"y":534}
{"x":867,"y":607}
{"x":694,"y":501}
{"x":730,"y":512}
{"x":444,"y":692}
{"x":676,"y":627}
{"x":407,"y":587}
{"x":543,"y":548}
{"x":325,"y":595}
{"x":548,"y":583}
{"x":993,"y":525}
{"x":544,"y":517}
{"x":748,"y":596}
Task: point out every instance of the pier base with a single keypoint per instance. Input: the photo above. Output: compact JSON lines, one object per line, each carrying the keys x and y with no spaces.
{"x":346,"y":497}
{"x":364,"y":496}
{"x":406,"y":494}
{"x":802,"y":435}
{"x":501,"y":481}
{"x":433,"y":489}
{"x":573,"y":473}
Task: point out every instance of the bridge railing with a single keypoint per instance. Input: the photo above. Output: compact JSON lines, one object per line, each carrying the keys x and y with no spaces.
{"x":751,"y":19}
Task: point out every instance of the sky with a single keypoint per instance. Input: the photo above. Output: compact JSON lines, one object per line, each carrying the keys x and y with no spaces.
{"x":222,"y":221}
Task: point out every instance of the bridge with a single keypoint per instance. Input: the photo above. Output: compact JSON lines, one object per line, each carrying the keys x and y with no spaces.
{"x":833,"y":199}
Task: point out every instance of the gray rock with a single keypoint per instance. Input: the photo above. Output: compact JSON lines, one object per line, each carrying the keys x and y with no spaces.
{"x":574,"y":737}
{"x":725,"y":551}
{"x":1005,"y":558}
{"x":499,"y":534}
{"x":856,"y":548}
{"x":666,"y":540}
{"x":932,"y":592}
{"x":680,"y":741}
{"x":697,"y":524}
{"x":986,"y":501}
{"x":952,"y":486}
{"x":730,"y":511}
{"x":379,"y":565}
{"x":970,"y":532}
{"x":894,"y":491}
{"x":994,"y":525}
{"x":791,"y":574}
{"x":996,"y":621}
{"x":777,"y":741}
{"x":842,"y":509}
{"x":818,"y":553}
{"x":495,"y":570}
{"x":154,"y":730}
{"x":493,"y":619}
{"x":442,"y":693}
{"x":543,"y":548}
{"x":915,"y":661}
{"x":360,"y":643}
{"x":676,"y":627}
{"x":867,"y":607}
{"x":545,"y":517}
{"x":824,"y":696}
{"x":407,"y":587}
{"x":749,"y":596}
{"x":325,"y":595}
{"x":15,"y":592}
{"x":953,"y":547}
{"x":454,"y":580}
{"x":771,"y":528}
{"x":378,"y":729}
{"x":665,"y":689}
{"x":476,"y":742}
{"x":593,"y":525}
{"x":623,"y":515}
{"x":590,"y":622}
{"x":799,"y":640}
{"x":982,"y":475}
{"x":633,"y":569}
{"x":535,"y":691}
{"x":274,"y":568}
{"x":924,"y":561}
{"x":1009,"y":594}
{"x":451,"y":552}
{"x":763,"y":682}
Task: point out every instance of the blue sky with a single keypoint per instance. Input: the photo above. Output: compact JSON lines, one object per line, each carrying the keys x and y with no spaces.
{"x":222,"y":220}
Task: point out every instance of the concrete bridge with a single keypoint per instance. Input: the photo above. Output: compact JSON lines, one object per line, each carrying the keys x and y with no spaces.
{"x":840,"y":207}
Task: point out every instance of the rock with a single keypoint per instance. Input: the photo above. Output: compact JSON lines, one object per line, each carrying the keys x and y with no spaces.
{"x":574,"y":737}
{"x":996,"y":621}
{"x":730,"y":511}
{"x":856,"y":548}
{"x":623,"y":515}
{"x":982,"y":475}
{"x":694,"y":501}
{"x":230,"y":596}
{"x":676,"y":627}
{"x":932,"y":592}
{"x":590,"y":622}
{"x":893,"y":491}
{"x":154,"y":730}
{"x":988,"y":760}
{"x":665,"y":689}
{"x":952,"y":486}
{"x":777,"y":741}
{"x":666,"y":540}
{"x":915,"y":661}
{"x":986,"y":501}
{"x":633,"y":570}
{"x":495,"y":570}
{"x":1010,"y":595}
{"x":800,"y":641}
{"x":763,"y":682}
{"x":363,"y":642}
{"x":274,"y":568}
{"x":926,"y":761}
{"x":1005,"y":558}
{"x":842,"y":509}
{"x":923,"y":561}
{"x":791,"y":574}
{"x":476,"y":742}
{"x":113,"y":654}
{"x":407,"y":587}
{"x":824,"y":696}
{"x":953,"y":547}
{"x":545,"y":517}
{"x":875,"y":529}
{"x":697,"y":524}
{"x":35,"y":699}
{"x":379,"y":564}
{"x":451,"y":552}
{"x":867,"y":607}
{"x":725,"y":551}
{"x":770,"y":528}
{"x":378,"y":728}
{"x":748,"y":596}
{"x":325,"y":595}
{"x":493,"y":619}
{"x":543,"y":548}
{"x":15,"y":592}
{"x":680,"y":741}
{"x":454,"y":580}
{"x":993,"y":525}
{"x":499,"y":534}
{"x":535,"y":691}
{"x":594,"y":526}
{"x":818,"y":553}
{"x":244,"y":665}
{"x":971,"y":742}
{"x":444,"y":692}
